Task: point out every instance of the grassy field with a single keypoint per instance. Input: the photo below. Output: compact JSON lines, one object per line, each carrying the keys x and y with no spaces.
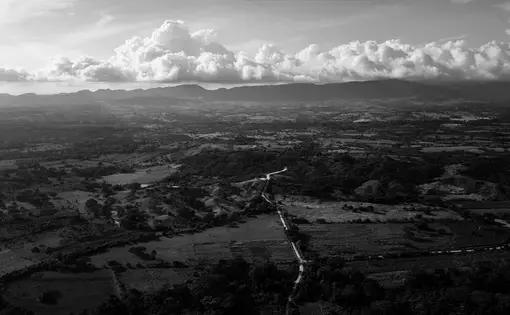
{"x":335,"y":213}
{"x":153,"y":279}
{"x":128,"y":158}
{"x":310,"y":309}
{"x":142,"y":176}
{"x":10,"y":261}
{"x":43,"y":240}
{"x":381,"y":238}
{"x":496,"y":212}
{"x":258,"y":238}
{"x":392,"y":273}
{"x":79,"y":291}
{"x":75,"y":199}
{"x":72,"y":163}
{"x":472,"y":149}
{"x":423,"y":263}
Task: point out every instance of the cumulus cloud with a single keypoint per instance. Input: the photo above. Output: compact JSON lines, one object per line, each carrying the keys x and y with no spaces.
{"x":175,"y":54}
{"x":13,"y":75}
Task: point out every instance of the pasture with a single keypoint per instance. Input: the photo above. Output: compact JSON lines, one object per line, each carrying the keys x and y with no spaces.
{"x":142,"y":176}
{"x":10,"y":261}
{"x":310,"y":309}
{"x":69,"y":164}
{"x":379,"y":239}
{"x":78,"y":291}
{"x":127,"y":158}
{"x":403,"y":265}
{"x":497,"y":212}
{"x":75,"y":200}
{"x":335,"y":212}
{"x":258,"y":238}
{"x":153,"y":279}
{"x":471,"y":149}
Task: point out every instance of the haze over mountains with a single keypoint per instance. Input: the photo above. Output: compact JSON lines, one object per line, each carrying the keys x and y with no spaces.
{"x":495,"y":92}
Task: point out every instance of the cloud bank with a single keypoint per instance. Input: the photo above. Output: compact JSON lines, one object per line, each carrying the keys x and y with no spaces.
{"x":174,"y":54}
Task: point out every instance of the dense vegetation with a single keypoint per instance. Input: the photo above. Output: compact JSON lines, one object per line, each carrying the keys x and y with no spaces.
{"x":227,"y":287}
{"x":317,"y":174}
{"x":481,"y":289}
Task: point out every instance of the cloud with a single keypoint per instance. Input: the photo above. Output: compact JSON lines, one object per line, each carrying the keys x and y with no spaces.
{"x":453,"y":38}
{"x":104,"y":20}
{"x":15,"y":11}
{"x":175,"y":54}
{"x":504,"y":6}
{"x":462,"y":1}
{"x":13,"y":75}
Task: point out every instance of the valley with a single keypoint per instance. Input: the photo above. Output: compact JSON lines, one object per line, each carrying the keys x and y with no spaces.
{"x":191,"y":203}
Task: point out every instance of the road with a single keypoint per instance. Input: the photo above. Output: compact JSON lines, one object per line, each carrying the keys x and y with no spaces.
{"x":286,"y":226}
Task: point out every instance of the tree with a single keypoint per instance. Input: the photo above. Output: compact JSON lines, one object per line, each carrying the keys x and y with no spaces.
{"x":91,"y":203}
{"x":208,"y":217}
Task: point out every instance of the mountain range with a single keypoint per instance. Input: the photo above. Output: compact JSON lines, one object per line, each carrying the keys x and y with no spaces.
{"x":494,"y":92}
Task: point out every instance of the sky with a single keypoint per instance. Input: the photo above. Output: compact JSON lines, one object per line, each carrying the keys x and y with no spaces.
{"x":51,"y":46}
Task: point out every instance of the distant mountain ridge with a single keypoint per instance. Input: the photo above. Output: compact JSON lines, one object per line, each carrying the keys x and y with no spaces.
{"x":379,"y":89}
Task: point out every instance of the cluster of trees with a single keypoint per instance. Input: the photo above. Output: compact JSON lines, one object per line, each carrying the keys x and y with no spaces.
{"x":101,"y":170}
{"x":35,"y":197}
{"x":315,"y":173}
{"x":84,"y":232}
{"x":8,"y":309}
{"x":483,"y":289}
{"x":490,"y":169}
{"x":312,"y":172}
{"x":228,"y":164}
{"x":227,"y":287}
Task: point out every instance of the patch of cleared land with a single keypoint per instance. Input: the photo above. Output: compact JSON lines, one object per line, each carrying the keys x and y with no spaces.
{"x":335,"y":212}
{"x":379,"y":239}
{"x":496,"y":212}
{"x":142,"y":176}
{"x":10,"y":261}
{"x":153,"y":279}
{"x":258,"y":238}
{"x":471,"y":149}
{"x":424,"y":263}
{"x":310,"y":309}
{"x":72,"y":163}
{"x":79,"y":291}
{"x":43,"y":240}
{"x":129,"y":158}
{"x":75,"y":199}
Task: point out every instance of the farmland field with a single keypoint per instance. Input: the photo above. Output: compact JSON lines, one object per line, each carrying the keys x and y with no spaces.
{"x":131,"y":158}
{"x":142,"y":176}
{"x":72,"y":163}
{"x":335,"y":213}
{"x":78,"y":291}
{"x":75,"y":199}
{"x":11,"y":261}
{"x":310,"y":309}
{"x":258,"y":238}
{"x":424,"y":263}
{"x":152,"y":279}
{"x":496,"y":212}
{"x":352,"y":239}
{"x":393,"y":272}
